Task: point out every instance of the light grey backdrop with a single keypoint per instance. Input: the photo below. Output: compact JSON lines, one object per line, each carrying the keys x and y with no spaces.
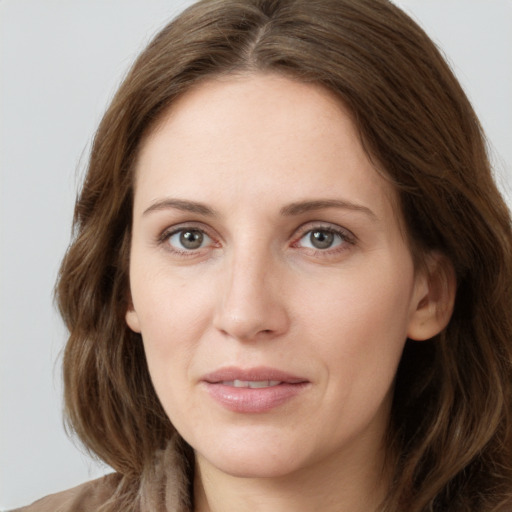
{"x":60,"y":62}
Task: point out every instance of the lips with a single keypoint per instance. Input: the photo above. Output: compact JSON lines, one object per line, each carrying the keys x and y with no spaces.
{"x":253,"y":390}
{"x":260,"y":374}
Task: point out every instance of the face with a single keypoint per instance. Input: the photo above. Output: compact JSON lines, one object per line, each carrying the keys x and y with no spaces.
{"x":270,"y":279}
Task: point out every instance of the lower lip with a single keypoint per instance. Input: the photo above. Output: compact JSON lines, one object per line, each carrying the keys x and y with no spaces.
{"x":253,"y":400}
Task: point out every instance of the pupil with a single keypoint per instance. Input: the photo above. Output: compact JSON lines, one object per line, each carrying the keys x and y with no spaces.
{"x":191,"y":239}
{"x":321,"y":239}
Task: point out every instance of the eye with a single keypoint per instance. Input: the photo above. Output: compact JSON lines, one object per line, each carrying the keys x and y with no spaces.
{"x":188,"y":240}
{"x":323,"y":239}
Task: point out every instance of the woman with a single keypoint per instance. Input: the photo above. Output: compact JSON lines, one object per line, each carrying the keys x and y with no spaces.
{"x":289,"y":287}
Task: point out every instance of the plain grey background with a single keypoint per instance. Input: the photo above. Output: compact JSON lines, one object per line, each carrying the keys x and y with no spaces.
{"x":60,"y":63}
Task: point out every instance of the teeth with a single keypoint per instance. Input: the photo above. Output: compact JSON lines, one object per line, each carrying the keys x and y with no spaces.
{"x":263,"y":383}
{"x":252,"y":383}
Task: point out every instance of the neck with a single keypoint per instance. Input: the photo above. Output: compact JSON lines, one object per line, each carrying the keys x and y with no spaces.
{"x":355,"y":486}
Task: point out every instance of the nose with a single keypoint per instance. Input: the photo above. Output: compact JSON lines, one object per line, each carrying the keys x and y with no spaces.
{"x":252,"y":304}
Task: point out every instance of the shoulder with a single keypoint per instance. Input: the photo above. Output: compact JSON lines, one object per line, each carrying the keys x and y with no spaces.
{"x":84,"y":498}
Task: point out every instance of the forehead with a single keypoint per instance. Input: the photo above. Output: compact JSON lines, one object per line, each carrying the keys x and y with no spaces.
{"x":261,"y":131}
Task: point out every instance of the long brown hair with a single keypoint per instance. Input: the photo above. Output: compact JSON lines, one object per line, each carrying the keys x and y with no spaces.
{"x":451,"y":418}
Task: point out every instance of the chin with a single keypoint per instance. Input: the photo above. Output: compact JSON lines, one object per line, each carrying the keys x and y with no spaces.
{"x":252,"y":459}
{"x":253,"y":467}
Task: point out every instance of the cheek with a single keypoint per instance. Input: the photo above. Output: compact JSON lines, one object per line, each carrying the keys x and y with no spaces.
{"x":360,"y":321}
{"x":359,"y":337}
{"x":173,"y":319}
{"x":173,"y":315}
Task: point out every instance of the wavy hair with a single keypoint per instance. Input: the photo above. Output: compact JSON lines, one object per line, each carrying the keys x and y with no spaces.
{"x":451,"y":417}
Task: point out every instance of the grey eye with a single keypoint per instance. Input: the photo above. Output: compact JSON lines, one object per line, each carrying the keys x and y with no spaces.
{"x":321,"y":239}
{"x":189,"y":239}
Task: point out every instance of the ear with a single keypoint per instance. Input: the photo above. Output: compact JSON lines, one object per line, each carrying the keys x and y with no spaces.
{"x":434,"y":297}
{"x":132,"y":319}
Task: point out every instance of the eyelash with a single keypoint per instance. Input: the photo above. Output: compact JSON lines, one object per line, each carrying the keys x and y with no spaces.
{"x":165,"y":237}
{"x":344,"y":235}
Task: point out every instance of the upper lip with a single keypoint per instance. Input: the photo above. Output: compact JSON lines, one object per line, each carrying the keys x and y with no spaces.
{"x":261,"y":373}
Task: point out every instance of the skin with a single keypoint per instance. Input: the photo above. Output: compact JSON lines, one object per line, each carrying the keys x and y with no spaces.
{"x":257,"y":292}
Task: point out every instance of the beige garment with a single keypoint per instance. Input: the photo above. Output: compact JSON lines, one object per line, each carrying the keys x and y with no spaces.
{"x":163,"y":487}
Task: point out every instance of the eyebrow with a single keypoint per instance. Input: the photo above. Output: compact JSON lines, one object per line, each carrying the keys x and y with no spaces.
{"x":180,"y":204}
{"x":292,"y":209}
{"x":320,"y":204}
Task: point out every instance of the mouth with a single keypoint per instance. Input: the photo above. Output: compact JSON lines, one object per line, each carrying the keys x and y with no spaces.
{"x":254,"y":390}
{"x":252,"y":377}
{"x":252,"y":384}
